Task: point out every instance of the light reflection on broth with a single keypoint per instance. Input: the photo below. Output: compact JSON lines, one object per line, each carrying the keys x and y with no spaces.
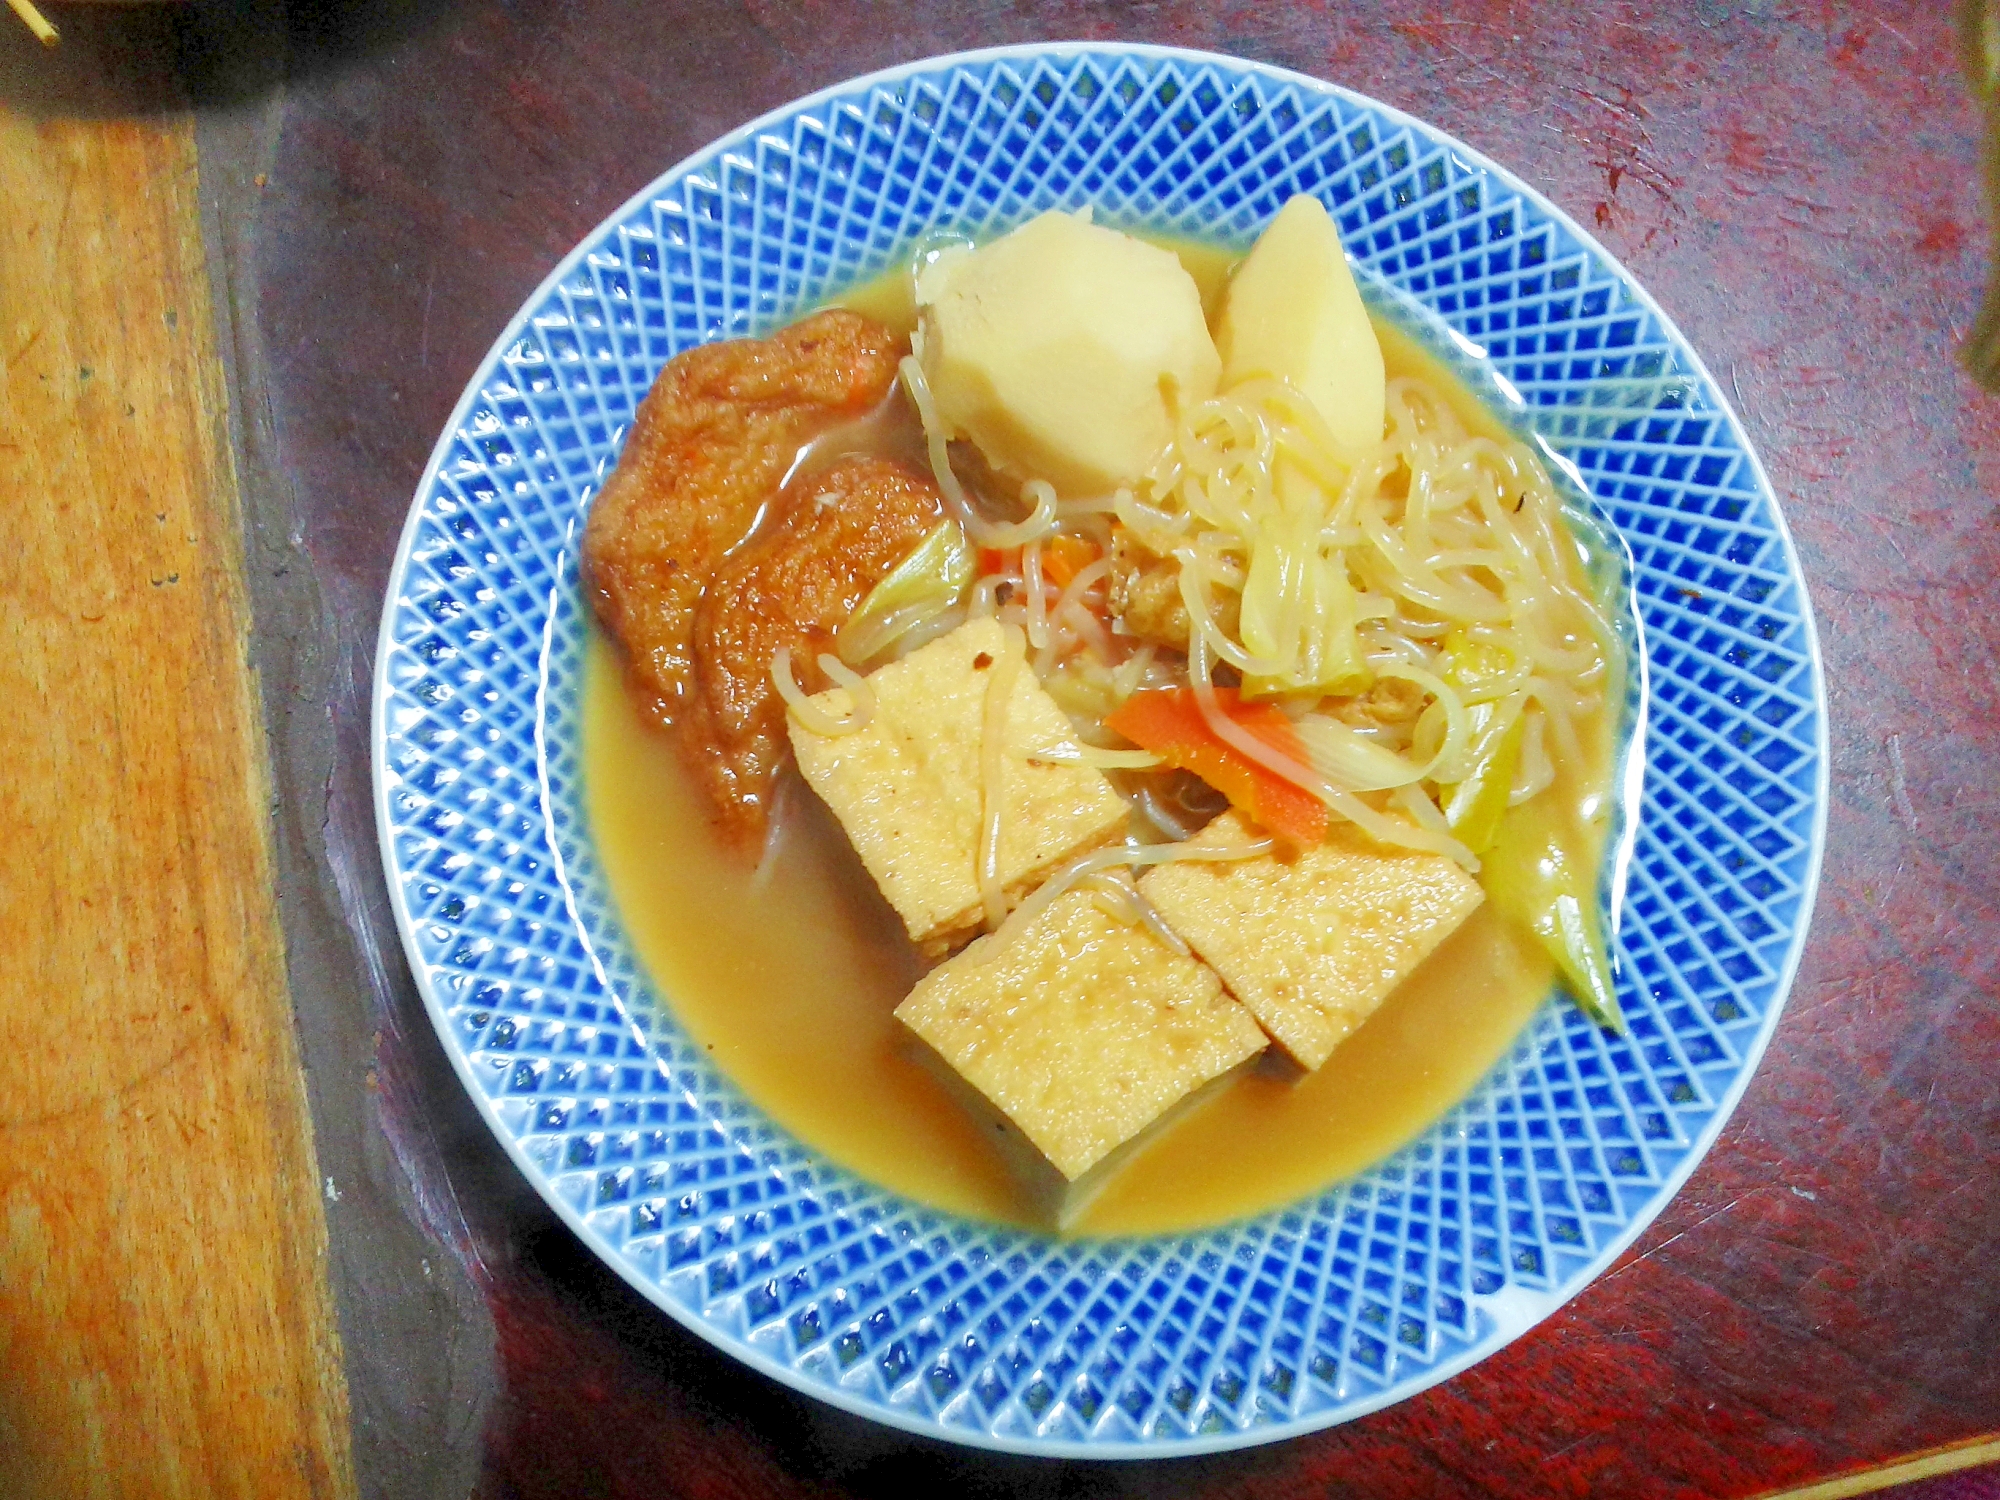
{"x":790,"y":985}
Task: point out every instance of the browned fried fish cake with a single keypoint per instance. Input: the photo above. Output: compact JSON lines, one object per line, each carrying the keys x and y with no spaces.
{"x":794,"y":585}
{"x":708,"y":449}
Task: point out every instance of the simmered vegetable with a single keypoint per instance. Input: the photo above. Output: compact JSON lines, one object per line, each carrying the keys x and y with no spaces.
{"x":1169,"y":722}
{"x":1050,"y":348}
{"x":1294,"y":313}
{"x":1063,"y":557}
{"x":1475,"y":806}
{"x":922,"y":586}
{"x":1537,"y":877}
{"x":1487,"y":675}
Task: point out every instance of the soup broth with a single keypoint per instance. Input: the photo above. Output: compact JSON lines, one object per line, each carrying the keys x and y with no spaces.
{"x":789,"y":977}
{"x":791,"y":986}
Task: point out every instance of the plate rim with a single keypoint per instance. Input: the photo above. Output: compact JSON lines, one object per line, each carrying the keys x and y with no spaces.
{"x":1505,"y":1332}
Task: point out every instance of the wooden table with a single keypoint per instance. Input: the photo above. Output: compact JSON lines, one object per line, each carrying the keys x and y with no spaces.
{"x":253,"y":1239}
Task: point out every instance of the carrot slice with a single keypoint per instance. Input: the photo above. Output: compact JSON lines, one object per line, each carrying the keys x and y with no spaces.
{"x":1063,"y":557}
{"x":1169,"y":722}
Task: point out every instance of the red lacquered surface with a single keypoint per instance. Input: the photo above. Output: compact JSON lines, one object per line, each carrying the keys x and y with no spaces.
{"x":1795,"y":183}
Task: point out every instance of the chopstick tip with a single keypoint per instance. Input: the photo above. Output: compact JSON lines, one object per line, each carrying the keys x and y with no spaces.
{"x":36,"y":22}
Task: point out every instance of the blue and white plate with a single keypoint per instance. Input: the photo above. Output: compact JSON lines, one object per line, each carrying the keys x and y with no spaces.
{"x":1319,"y":1312}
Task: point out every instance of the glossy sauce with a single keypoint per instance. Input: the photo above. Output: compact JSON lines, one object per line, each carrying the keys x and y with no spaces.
{"x":791,"y":984}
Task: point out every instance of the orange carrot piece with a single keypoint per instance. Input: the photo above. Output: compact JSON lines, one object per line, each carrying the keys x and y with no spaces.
{"x":1169,"y":722}
{"x":1063,"y":557}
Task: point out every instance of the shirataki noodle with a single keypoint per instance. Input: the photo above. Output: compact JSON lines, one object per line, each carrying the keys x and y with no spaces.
{"x":1311,"y":573}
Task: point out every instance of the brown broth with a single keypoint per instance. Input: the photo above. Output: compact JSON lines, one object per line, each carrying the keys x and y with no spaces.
{"x":791,"y":984}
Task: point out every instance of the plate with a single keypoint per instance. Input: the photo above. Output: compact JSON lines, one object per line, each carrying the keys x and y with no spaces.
{"x":1273,"y":1326}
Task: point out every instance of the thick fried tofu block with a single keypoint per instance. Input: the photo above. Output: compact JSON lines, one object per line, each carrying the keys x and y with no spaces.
{"x":1312,"y":946}
{"x":1082,"y":1030}
{"x":907,"y":787}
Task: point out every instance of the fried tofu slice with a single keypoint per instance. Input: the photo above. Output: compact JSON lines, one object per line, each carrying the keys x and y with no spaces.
{"x":1081,"y":1030}
{"x":1312,"y":946}
{"x":908,"y":791}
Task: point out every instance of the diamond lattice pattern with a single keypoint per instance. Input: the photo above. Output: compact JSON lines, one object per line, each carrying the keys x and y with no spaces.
{"x":1289,"y":1321}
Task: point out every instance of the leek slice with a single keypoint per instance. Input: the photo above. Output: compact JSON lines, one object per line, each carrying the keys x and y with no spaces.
{"x":1352,"y":760}
{"x":1536,"y":878}
{"x":1474,"y":806}
{"x":921,"y":587}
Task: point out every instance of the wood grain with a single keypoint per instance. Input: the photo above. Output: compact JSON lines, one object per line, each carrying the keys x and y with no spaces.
{"x":1799,"y":187}
{"x":165,"y":1328}
{"x":1907,"y":1471}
